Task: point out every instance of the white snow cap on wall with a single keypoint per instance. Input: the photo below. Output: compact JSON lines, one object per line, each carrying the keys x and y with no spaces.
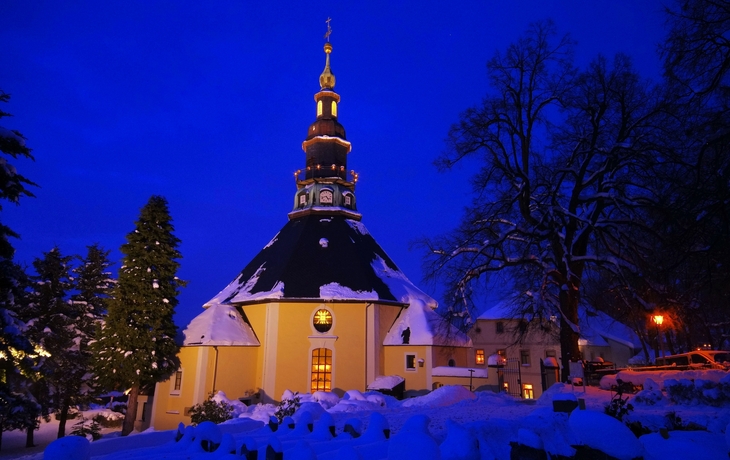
{"x":427,"y":327}
{"x":219,"y":325}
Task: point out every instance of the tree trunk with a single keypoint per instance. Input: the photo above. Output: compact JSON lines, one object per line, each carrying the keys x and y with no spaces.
{"x":131,"y":415}
{"x":62,"y":417}
{"x":29,"y":436}
{"x":569,"y":350}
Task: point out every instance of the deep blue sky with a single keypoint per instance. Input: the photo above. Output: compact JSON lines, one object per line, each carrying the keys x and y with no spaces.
{"x":207,"y":104}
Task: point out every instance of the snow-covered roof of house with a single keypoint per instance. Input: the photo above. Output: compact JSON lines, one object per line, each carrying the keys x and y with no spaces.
{"x":220,"y":325}
{"x":595,"y":326}
{"x":318,"y":257}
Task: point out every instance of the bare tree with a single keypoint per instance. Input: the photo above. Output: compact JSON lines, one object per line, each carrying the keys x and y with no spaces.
{"x":565,"y":159}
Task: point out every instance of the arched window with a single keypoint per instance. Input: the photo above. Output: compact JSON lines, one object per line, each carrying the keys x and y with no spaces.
{"x":319,"y":108}
{"x":321,"y":370}
{"x":347,"y":198}
{"x":334,"y":108}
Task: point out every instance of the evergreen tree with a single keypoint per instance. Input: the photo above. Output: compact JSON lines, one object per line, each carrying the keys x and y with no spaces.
{"x":136,"y":346}
{"x":93,"y":284}
{"x":17,"y":356}
{"x":12,"y":184}
{"x":51,"y":320}
{"x":18,"y":409}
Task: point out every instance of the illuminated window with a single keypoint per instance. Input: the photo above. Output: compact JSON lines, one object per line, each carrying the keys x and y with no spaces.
{"x":319,"y":108}
{"x":500,"y":327}
{"x":411,"y":363}
{"x":321,"y":369}
{"x":505,"y":387}
{"x":479,"y":358}
{"x":325,"y":196}
{"x":527,"y":392}
{"x":334,"y":108}
{"x":176,"y":383}
{"x":322,"y":320}
{"x":525,"y":357}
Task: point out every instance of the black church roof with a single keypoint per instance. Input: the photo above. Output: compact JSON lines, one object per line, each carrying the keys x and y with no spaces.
{"x":317,"y":256}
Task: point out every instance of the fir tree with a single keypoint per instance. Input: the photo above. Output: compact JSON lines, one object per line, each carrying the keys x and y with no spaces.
{"x":17,"y":356}
{"x":93,"y":285}
{"x":136,"y":347}
{"x":51,"y":319}
{"x":18,"y":360}
{"x":12,"y":184}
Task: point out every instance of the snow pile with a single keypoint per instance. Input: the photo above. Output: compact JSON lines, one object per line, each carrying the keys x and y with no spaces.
{"x":444,"y":396}
{"x":637,"y":378}
{"x":592,"y":428}
{"x":385,"y":382}
{"x":219,"y":325}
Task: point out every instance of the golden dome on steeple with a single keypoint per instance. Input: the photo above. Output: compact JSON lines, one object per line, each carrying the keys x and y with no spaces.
{"x":327,"y":79}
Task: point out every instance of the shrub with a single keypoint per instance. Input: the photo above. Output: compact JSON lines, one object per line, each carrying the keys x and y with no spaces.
{"x":212,"y":411}
{"x":287,"y":407}
{"x":87,"y":428}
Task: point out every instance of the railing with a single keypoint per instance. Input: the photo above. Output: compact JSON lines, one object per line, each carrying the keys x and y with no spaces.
{"x":323,"y":171}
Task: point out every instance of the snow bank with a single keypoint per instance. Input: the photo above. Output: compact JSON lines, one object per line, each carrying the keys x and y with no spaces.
{"x":605,"y":433}
{"x":639,"y":377}
{"x":444,"y":396}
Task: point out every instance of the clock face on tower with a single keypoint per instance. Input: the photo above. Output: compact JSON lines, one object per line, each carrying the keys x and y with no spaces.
{"x":325,"y":197}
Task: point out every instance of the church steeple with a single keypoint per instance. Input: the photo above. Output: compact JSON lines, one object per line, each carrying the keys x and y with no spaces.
{"x":326,"y":186}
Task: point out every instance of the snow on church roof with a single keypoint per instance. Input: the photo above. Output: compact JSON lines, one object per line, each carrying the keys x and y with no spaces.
{"x":351,"y":266}
{"x":219,"y":325}
{"x":426,"y":326}
{"x":296,"y":265}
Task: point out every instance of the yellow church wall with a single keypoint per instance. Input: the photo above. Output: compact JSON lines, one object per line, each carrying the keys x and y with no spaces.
{"x":256,"y":315}
{"x":200,"y":369}
{"x":418,"y":378}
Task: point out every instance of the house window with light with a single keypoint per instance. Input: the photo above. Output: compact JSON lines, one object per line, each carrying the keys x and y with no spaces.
{"x":527,"y":391}
{"x":479,"y":357}
{"x":411,"y":363}
{"x":322,"y":320}
{"x":321,"y":369}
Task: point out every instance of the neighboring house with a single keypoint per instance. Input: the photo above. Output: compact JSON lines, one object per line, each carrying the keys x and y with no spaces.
{"x":321,"y":308}
{"x":527,"y":364}
{"x":514,"y":358}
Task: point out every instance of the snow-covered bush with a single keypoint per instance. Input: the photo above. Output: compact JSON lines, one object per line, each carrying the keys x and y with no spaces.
{"x":650,"y":395}
{"x":211,"y":410}
{"x":699,"y":391}
{"x":289,"y":404}
{"x":89,"y":429}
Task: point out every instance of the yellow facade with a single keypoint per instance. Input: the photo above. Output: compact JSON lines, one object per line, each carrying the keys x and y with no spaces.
{"x":285,"y":359}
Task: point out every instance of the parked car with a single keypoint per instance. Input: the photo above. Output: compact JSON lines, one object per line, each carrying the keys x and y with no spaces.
{"x":706,"y":359}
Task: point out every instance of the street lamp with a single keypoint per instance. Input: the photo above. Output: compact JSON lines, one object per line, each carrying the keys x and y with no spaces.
{"x":658,"y":320}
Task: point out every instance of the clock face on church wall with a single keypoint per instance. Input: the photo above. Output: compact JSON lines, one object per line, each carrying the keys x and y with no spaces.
{"x":325,"y":197}
{"x":322,"y":320}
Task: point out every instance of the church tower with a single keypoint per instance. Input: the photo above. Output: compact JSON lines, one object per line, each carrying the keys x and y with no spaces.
{"x":325,"y":185}
{"x":320,"y":308}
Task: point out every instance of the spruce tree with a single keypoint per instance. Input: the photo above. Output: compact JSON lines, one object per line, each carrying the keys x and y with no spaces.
{"x":18,"y":360}
{"x":136,"y":347}
{"x":93,"y":285}
{"x":51,"y":319}
{"x":17,"y":357}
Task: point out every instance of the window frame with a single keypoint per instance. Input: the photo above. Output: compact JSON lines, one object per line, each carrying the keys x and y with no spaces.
{"x":525,"y":358}
{"x":413,"y":361}
{"x":479,"y":357}
{"x":176,"y":383}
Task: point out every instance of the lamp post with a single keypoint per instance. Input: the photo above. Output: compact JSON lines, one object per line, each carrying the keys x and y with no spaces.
{"x":658,"y":320}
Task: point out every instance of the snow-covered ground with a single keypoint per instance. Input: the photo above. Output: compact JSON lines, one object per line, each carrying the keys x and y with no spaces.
{"x":449,"y":423}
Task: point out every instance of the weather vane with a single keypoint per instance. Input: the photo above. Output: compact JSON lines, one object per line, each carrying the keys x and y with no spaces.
{"x":329,"y":30}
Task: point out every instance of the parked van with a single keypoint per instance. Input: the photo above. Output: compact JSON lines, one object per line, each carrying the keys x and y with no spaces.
{"x":705,"y":359}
